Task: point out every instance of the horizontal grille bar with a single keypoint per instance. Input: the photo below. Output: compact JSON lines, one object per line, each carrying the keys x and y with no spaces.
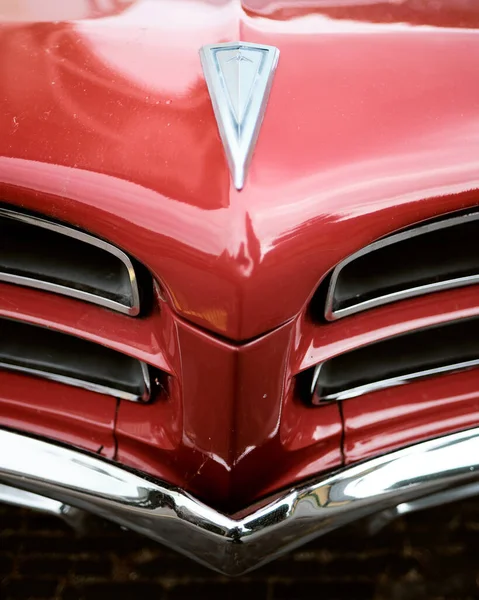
{"x":430,"y":258}
{"x":46,"y":255}
{"x":398,"y":360}
{"x":41,"y":352}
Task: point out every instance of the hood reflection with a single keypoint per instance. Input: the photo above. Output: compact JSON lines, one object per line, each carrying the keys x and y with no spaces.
{"x":438,"y":13}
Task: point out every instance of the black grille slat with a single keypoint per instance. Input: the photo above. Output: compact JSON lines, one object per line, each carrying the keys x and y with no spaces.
{"x":396,"y":360}
{"x":50,"y":256}
{"x":61,"y":357}
{"x":433,"y":257}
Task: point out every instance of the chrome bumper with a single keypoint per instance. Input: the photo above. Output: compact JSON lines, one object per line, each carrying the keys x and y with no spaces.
{"x":419,"y":476}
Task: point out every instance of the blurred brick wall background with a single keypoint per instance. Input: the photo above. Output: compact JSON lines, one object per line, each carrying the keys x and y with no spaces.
{"x":432,"y":555}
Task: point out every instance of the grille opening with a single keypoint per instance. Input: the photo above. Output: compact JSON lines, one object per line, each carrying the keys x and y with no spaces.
{"x":42,"y":352}
{"x":47,"y":255}
{"x":397,"y":361}
{"x":433,"y":257}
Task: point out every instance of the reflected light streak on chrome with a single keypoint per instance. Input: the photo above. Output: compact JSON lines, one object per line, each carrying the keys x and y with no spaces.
{"x":377,"y":522}
{"x":15,"y":497}
{"x":238,"y":543}
{"x":239,"y":76}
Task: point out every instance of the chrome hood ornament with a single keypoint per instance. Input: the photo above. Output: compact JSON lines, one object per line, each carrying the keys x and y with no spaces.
{"x":239,"y":76}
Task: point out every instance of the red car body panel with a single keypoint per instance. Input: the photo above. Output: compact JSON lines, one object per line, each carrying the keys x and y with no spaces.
{"x":372,"y":125}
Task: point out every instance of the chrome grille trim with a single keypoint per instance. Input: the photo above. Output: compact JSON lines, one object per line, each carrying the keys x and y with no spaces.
{"x":132,"y":310}
{"x":386,"y":383}
{"x":332,"y":315}
{"x":439,"y":349}
{"x":86,"y":385}
{"x":48,"y":353}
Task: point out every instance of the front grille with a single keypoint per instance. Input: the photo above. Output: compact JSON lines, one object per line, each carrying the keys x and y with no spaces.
{"x":433,"y":257}
{"x":50,"y":256}
{"x":42,"y":352}
{"x":398,"y":360}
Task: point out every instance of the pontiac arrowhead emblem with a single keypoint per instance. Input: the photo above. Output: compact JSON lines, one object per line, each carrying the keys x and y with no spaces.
{"x":239,"y":76}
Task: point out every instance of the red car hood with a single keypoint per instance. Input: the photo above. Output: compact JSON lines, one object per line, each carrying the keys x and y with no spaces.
{"x":373,"y":109}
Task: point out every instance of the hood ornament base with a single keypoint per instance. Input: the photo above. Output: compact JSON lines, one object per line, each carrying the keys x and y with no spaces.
{"x":239,"y":76}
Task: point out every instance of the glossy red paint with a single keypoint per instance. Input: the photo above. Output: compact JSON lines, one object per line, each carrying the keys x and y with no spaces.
{"x":372,"y":125}
{"x":383,"y":421}
{"x":439,"y":13}
{"x":354,"y":150}
{"x":60,"y":412}
{"x":229,"y":448}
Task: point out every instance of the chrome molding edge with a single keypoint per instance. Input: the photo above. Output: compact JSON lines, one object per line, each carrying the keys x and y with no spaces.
{"x":383,"y":384}
{"x":132,"y":310}
{"x":379,"y":521}
{"x":448,"y":284}
{"x":15,"y":497}
{"x":86,"y":385}
{"x":241,"y":542}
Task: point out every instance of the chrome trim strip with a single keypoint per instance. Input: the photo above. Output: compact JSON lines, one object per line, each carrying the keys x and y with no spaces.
{"x":15,"y":497}
{"x":333,"y":315}
{"x":146,"y":378}
{"x":236,"y":544}
{"x":314,"y":382}
{"x":86,"y":385}
{"x":360,"y":390}
{"x":132,"y":310}
{"x":377,"y":522}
